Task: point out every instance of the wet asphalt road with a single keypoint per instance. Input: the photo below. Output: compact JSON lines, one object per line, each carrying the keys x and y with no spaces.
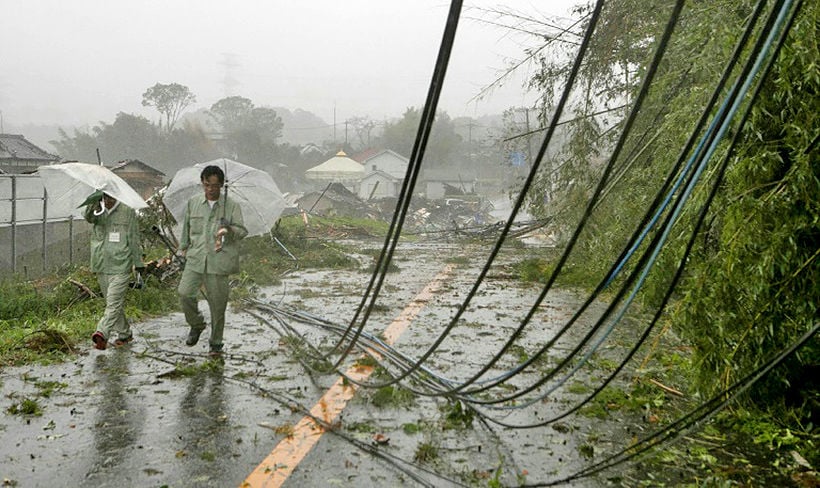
{"x":126,"y":417}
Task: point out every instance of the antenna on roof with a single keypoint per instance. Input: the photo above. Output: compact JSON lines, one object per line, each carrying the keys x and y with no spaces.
{"x":99,"y":160}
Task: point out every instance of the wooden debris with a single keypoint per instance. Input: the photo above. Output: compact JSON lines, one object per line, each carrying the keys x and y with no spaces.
{"x":666,"y":388}
{"x":83,"y":288}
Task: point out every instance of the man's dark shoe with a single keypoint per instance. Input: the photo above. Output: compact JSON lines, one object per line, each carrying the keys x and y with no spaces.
{"x":125,"y":341}
{"x":99,"y":340}
{"x":215,"y":350}
{"x":193,"y":336}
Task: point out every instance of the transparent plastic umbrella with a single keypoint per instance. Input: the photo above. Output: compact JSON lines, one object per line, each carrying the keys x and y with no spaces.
{"x":69,"y":186}
{"x":253,"y":189}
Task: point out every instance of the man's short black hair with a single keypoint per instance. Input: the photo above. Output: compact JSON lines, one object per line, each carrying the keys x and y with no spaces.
{"x":213,"y":170}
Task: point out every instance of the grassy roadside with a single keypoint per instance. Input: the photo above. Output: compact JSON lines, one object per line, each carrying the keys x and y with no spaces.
{"x":52,"y":319}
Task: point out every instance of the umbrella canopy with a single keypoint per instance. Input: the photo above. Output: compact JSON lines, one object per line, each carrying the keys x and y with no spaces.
{"x":253,"y":189}
{"x":69,"y":185}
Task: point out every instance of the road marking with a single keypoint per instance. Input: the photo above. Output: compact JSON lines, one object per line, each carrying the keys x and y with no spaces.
{"x":280,"y":463}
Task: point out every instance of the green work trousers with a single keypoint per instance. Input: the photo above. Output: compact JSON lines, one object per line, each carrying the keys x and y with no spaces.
{"x":114,"y":287}
{"x":216,"y":292}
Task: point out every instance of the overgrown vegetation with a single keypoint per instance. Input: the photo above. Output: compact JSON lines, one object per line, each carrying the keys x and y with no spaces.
{"x":750,"y":286}
{"x":44,"y":320}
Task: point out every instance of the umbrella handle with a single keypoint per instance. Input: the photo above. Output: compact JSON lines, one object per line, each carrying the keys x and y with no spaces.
{"x":220,"y":239}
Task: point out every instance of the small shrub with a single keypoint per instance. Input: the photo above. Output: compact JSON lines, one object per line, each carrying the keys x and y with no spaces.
{"x":426,"y":452}
{"x":26,"y":407}
{"x":392,"y":397}
{"x":458,"y":416}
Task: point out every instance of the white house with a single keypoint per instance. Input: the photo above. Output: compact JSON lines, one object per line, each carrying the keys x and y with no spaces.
{"x":387,"y":161}
{"x":379,"y":184}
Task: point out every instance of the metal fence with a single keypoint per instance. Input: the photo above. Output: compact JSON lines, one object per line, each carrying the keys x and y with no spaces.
{"x":33,"y":241}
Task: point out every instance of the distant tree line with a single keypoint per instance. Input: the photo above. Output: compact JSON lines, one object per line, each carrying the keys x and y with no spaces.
{"x":239,"y":129}
{"x":245,"y":132}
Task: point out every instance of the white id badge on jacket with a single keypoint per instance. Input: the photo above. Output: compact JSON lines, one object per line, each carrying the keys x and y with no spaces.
{"x":113,"y":237}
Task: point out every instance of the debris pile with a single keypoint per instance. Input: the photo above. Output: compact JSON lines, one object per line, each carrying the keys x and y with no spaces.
{"x":424,"y":215}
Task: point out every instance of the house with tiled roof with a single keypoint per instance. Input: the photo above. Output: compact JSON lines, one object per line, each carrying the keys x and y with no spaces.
{"x":18,"y":155}
{"x":145,"y":179}
{"x":362,"y":155}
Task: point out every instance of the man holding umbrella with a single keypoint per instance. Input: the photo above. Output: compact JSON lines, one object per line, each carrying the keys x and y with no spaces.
{"x":212,"y":227}
{"x":115,"y":252}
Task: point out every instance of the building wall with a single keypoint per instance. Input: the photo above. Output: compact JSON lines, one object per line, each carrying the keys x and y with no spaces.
{"x":386,"y":187}
{"x":351,"y":182}
{"x":434,"y":190}
{"x":387,"y":162}
{"x":20,"y":166}
{"x":437,"y":189}
{"x":145,"y":184}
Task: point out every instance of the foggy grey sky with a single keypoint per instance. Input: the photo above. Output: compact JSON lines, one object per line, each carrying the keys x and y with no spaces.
{"x":81,"y":61}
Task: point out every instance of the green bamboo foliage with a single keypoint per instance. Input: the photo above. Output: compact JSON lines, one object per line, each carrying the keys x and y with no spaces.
{"x":751,"y":285}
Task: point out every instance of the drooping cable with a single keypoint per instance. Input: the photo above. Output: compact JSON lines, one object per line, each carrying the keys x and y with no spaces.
{"x":408,"y":184}
{"x":587,"y":213}
{"x":753,"y":66}
{"x":702,"y":156}
{"x":518,"y":204}
{"x":629,"y":454}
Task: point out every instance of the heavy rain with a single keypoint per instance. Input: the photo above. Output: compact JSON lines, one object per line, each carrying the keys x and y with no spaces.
{"x":432,"y":244}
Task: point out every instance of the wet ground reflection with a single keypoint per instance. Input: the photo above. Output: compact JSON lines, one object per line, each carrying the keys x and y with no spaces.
{"x":203,"y":427}
{"x":119,"y":418}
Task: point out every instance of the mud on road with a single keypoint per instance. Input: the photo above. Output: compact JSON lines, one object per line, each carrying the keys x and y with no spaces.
{"x":158,"y":413}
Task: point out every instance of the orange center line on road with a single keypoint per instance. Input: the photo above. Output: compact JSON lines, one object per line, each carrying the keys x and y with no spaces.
{"x":280,"y":463}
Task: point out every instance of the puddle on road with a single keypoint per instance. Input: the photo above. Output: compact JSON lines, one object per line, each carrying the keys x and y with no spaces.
{"x":159,"y":413}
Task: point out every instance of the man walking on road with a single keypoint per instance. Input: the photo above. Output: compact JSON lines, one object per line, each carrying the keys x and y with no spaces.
{"x":115,"y":252}
{"x":211,"y":230}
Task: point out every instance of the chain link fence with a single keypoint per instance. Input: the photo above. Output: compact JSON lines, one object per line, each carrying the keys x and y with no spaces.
{"x":34,"y":241}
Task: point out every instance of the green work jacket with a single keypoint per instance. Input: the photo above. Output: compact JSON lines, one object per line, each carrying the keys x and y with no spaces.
{"x":198,"y":240}
{"x":115,"y":239}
